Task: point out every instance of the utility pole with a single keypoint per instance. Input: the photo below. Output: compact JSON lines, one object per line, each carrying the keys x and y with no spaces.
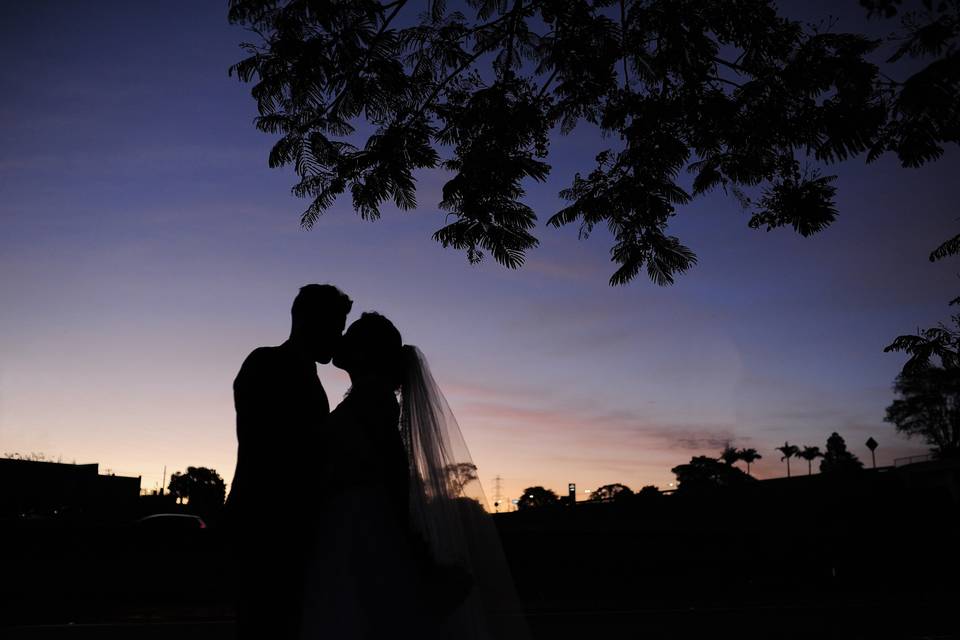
{"x":163,"y":480}
{"x":497,"y":497}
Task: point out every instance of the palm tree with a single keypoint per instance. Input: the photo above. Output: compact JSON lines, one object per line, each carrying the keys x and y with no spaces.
{"x":748,"y":456}
{"x":788,"y":450}
{"x":810,"y":454}
{"x":730,"y":454}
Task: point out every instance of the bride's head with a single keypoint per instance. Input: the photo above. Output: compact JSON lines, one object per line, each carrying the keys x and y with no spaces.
{"x":371,"y":351}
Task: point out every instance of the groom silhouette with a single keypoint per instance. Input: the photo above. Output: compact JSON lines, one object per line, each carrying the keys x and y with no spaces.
{"x":281,"y":407}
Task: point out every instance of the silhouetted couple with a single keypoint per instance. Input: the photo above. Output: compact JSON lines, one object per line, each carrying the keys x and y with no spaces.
{"x":356,"y":523}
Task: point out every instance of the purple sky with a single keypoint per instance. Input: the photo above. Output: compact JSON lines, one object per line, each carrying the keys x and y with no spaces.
{"x":146,"y":248}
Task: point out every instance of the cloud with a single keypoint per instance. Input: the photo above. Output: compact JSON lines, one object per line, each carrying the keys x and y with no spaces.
{"x":697,"y":442}
{"x":479,"y":391}
{"x":590,"y":428}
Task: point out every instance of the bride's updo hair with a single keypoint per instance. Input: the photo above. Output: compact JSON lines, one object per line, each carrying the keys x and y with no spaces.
{"x":379,"y":340}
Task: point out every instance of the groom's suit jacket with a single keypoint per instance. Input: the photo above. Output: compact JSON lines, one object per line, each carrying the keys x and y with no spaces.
{"x":281,"y":407}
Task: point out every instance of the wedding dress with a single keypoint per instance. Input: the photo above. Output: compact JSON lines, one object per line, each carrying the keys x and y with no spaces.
{"x":404,"y":544}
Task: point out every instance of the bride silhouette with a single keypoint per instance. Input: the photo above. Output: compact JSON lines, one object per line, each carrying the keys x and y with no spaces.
{"x":403,"y":545}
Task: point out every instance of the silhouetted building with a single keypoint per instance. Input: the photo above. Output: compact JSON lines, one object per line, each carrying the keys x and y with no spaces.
{"x":571,"y":494}
{"x":29,"y":487}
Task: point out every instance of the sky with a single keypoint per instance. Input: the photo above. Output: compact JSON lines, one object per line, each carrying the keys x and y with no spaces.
{"x":146,"y":248}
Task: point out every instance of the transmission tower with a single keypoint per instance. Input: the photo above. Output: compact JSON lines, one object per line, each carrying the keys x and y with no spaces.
{"x":497,"y":496}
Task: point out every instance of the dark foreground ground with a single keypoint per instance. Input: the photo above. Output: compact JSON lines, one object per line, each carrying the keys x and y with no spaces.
{"x":871,"y":556}
{"x":838,"y":619}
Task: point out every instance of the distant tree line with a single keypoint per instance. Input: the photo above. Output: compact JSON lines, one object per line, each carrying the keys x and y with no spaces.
{"x":534,"y":497}
{"x":705,"y":473}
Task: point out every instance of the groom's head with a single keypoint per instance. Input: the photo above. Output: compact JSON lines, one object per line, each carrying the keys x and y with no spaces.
{"x":319,"y":314}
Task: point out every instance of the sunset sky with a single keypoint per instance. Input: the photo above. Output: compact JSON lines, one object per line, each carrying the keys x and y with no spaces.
{"x":146,"y":248}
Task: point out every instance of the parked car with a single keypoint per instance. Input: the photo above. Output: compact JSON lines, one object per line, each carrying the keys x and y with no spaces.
{"x":171,"y":522}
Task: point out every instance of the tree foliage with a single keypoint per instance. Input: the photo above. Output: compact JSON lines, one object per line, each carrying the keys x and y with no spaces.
{"x":727,"y":92}
{"x":534,"y":497}
{"x":837,"y":459}
{"x":749,"y":456}
{"x":924,"y":111}
{"x":649,"y":492}
{"x":788,"y":450}
{"x":459,"y":475}
{"x":928,"y":406}
{"x":203,"y":488}
{"x":730,"y":454}
{"x":927,"y":386}
{"x":810,"y":454}
{"x":939,"y":345}
{"x":705,"y":474}
{"x":611,"y":493}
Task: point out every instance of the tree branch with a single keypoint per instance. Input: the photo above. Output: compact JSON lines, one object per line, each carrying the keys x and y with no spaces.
{"x":546,"y":85}
{"x":724,"y":80}
{"x":731,"y":65}
{"x":513,"y":32}
{"x":359,"y":68}
{"x":433,"y":95}
{"x":518,"y":8}
{"x":890,"y":81}
{"x":623,"y":43}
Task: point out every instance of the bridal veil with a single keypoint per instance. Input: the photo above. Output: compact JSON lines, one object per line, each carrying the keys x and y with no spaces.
{"x":448,"y":508}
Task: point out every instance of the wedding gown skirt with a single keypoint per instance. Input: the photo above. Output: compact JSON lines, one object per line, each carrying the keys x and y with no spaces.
{"x":362,"y":581}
